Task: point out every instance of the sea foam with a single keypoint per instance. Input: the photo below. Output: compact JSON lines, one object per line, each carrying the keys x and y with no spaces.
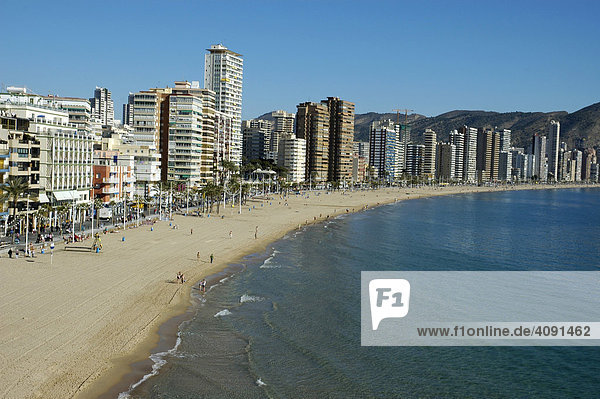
{"x":223,"y":312}
{"x":250,"y":298}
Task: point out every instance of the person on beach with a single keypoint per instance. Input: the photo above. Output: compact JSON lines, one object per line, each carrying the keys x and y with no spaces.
{"x":230,"y":234}
{"x":179,"y":277}
{"x":198,"y":255}
{"x":203,"y":285}
{"x":256,"y":233}
{"x":191,"y":231}
{"x":211,"y":258}
{"x":10,"y":253}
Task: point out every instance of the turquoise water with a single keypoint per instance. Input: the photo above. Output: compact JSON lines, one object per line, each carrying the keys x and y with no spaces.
{"x":288,"y":325}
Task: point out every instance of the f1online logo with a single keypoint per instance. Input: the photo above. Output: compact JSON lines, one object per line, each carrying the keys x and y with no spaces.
{"x":389,"y":298}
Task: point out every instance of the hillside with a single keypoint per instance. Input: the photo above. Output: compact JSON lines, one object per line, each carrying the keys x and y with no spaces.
{"x":581,"y":127}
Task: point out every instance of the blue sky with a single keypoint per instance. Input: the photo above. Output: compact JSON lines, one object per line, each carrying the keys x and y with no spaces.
{"x":430,"y":56}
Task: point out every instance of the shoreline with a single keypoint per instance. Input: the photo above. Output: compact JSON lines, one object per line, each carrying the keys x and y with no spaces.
{"x":122,"y":298}
{"x":169,"y":336}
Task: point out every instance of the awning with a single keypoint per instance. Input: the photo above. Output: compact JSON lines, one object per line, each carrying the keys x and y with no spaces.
{"x":66,"y":195}
{"x":43,"y":198}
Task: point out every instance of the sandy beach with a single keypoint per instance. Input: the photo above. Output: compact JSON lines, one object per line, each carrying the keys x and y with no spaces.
{"x":73,"y":327}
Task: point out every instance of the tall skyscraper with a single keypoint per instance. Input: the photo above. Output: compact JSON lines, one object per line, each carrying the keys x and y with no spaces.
{"x":538,"y":146}
{"x":404,"y":141}
{"x":484,"y":155}
{"x":187,"y":145}
{"x":414,"y":159}
{"x":505,"y":161}
{"x":458,"y":140}
{"x":102,"y":106}
{"x":517,"y":156}
{"x":312,"y":125}
{"x":128,"y":110}
{"x":553,"y":147}
{"x":341,"y":138}
{"x":384,"y":149}
{"x":362,"y":149}
{"x":328,"y":129}
{"x":223,"y":74}
{"x":495,"y":163}
{"x":577,"y":158}
{"x":588,"y":159}
{"x":505,"y":136}
{"x":257,"y":139}
{"x":446,"y":161}
{"x":283,"y":123}
{"x":429,"y":153}
{"x":470,"y":154}
{"x":150,"y":112}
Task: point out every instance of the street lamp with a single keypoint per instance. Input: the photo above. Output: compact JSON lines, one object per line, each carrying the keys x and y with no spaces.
{"x":27,"y":226}
{"x":73,"y":214}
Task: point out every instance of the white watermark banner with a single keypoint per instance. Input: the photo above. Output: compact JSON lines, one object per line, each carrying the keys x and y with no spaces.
{"x":464,"y":308}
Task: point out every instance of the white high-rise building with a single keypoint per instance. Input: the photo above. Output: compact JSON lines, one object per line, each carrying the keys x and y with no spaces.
{"x":505,"y":160}
{"x":102,"y":106}
{"x":505,"y":135}
{"x":552,"y":148}
{"x":223,"y":74}
{"x":538,"y":145}
{"x":470,"y":154}
{"x":292,"y":155}
{"x":384,"y":149}
{"x":190,"y":149}
{"x":283,"y":123}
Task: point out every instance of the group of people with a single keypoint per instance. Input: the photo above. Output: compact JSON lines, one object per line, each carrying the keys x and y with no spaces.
{"x":181,"y":279}
{"x":44,"y":238}
{"x":30,"y":251}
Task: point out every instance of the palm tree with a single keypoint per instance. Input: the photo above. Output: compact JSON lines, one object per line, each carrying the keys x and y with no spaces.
{"x":82,"y":209}
{"x":112,"y":205}
{"x":13,"y":190}
{"x":44,"y":214}
{"x":98,"y":203}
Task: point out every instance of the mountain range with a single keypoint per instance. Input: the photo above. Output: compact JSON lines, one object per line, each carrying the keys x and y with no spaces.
{"x":578,"y":129}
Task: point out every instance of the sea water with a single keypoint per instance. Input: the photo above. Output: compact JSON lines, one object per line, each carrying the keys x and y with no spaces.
{"x":288,"y":324}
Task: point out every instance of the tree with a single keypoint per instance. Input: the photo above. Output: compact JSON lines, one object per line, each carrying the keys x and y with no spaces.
{"x":13,"y":190}
{"x":44,"y":213}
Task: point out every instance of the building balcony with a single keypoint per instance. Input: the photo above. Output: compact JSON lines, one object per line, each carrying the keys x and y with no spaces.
{"x":110,"y":190}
